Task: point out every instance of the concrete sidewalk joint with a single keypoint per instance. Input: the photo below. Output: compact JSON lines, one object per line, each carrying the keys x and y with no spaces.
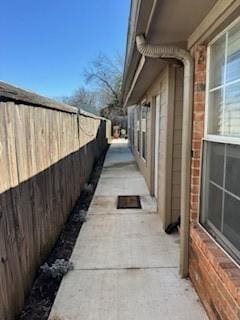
{"x":125,"y":266}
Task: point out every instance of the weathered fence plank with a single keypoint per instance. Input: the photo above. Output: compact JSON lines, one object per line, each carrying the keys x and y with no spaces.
{"x":46,"y":156}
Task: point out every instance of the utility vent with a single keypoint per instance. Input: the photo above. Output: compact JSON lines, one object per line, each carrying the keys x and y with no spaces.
{"x":129,"y":202}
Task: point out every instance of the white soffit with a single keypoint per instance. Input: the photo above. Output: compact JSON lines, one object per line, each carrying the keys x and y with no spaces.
{"x":172,"y":23}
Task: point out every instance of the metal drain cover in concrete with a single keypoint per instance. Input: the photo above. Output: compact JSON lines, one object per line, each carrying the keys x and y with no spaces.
{"x":129,"y":202}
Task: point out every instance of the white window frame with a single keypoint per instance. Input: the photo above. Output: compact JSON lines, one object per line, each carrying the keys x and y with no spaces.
{"x":141,"y":131}
{"x":207,"y":136}
{"x":216,"y":138}
{"x":138,"y":130}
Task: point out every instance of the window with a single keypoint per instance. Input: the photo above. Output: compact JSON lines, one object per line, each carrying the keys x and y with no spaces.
{"x":140,"y":130}
{"x":224,"y":85}
{"x":144,"y":130}
{"x":136,"y":127}
{"x":131,"y":125}
{"x":220,"y":192}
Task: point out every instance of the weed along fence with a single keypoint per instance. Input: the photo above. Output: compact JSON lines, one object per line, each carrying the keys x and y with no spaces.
{"x":47,"y":151}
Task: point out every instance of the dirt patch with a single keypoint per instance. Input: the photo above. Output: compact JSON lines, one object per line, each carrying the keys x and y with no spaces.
{"x":39,"y":303}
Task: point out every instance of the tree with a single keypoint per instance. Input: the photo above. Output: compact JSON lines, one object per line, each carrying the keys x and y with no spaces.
{"x":106,"y":74}
{"x":83,"y":99}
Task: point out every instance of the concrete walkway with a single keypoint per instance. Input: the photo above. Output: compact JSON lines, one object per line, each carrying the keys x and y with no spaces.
{"x":125,"y":266}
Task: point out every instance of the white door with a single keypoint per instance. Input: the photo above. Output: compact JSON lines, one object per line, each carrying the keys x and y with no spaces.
{"x":157,"y":136}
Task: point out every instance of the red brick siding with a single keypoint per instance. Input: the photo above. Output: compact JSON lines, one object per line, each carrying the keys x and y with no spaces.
{"x":198,"y":126}
{"x":211,"y":273}
{"x":215,"y":277}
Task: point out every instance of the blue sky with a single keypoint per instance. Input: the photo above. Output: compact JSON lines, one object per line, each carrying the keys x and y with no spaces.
{"x":46,"y":44}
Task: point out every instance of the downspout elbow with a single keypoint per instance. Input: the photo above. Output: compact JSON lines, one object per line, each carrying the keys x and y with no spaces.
{"x":163,"y":51}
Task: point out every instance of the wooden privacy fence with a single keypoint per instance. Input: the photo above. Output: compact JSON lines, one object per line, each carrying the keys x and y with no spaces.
{"x":47,"y":151}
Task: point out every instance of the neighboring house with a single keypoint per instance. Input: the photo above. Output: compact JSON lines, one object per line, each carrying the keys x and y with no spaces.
{"x":182,"y":86}
{"x":118,"y":119}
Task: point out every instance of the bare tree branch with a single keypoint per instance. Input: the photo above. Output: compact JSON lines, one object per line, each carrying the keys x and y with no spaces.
{"x":106,"y":74}
{"x":94,"y":75}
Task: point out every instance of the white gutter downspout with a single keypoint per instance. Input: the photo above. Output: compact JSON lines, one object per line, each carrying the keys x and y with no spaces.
{"x":174,"y":52}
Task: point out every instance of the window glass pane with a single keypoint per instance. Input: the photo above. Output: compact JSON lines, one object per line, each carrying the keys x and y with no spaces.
{"x":144,"y":130}
{"x":144,"y":112}
{"x":212,"y":184}
{"x":138,"y":129}
{"x":222,"y":223}
{"x":215,"y":119}
{"x":231,"y":228}
{"x":216,"y":162}
{"x":143,"y":125}
{"x":144,"y":145}
{"x":232,"y":183}
{"x":135,"y":128}
{"x":233,"y":58}
{"x":232,"y":110}
{"x":217,"y":62}
{"x":214,"y":210}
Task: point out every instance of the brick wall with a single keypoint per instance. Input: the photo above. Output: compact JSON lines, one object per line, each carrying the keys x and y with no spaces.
{"x":214,"y":275}
{"x":198,"y":126}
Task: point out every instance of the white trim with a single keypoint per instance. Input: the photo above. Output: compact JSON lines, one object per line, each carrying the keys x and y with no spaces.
{"x":219,"y":138}
{"x":229,"y":27}
{"x":216,"y":88}
{"x":217,"y":16}
{"x":222,"y":139}
{"x":200,"y":180}
{"x":224,"y":79}
{"x":206,"y":116}
{"x":223,"y":188}
{"x":224,"y":85}
{"x":136,"y":76}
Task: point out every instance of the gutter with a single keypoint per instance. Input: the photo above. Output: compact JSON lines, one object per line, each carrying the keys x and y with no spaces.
{"x":133,"y":22}
{"x":173,"y":52}
{"x":132,"y":26}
